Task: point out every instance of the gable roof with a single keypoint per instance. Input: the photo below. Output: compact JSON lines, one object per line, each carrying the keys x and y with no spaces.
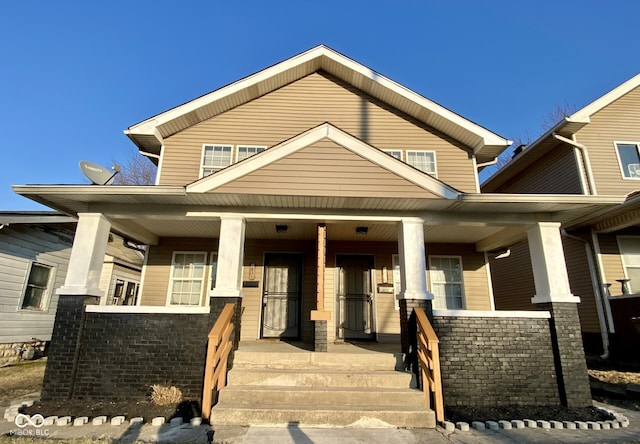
{"x":428,"y":184}
{"x":149,"y":134}
{"x":560,"y":133}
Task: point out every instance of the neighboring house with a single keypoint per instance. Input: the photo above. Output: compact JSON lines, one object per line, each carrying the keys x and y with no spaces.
{"x":326,"y":202}
{"x":35,"y":248}
{"x":593,"y":152}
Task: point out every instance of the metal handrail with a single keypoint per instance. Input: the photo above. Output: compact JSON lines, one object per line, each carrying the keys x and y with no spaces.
{"x":429,"y":359}
{"x":219,"y":346}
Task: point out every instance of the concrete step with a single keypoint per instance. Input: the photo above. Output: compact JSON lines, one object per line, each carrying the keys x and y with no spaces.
{"x":308,"y":360}
{"x":318,"y":378}
{"x":339,"y":415}
{"x":321,"y":396}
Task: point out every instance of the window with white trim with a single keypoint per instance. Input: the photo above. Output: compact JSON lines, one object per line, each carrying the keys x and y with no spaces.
{"x":630,"y":251}
{"x":187,"y":276}
{"x":629,"y":159}
{"x":423,"y":160}
{"x":248,"y":151}
{"x":447,"y":284}
{"x":395,"y":153}
{"x":214,"y":158}
{"x":38,"y":287}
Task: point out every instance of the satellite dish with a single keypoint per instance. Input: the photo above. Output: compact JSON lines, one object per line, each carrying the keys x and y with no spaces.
{"x":97,"y":174}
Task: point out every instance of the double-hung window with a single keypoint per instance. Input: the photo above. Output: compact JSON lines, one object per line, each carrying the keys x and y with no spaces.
{"x":447,"y":282}
{"x":214,"y":158}
{"x":629,"y":159}
{"x":395,"y":153}
{"x":187,"y":276}
{"x":248,"y":151}
{"x":630,"y":251}
{"x":38,"y":288}
{"x":423,"y":160}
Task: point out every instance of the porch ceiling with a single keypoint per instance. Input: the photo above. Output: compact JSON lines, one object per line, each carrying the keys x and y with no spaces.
{"x":149,"y":213}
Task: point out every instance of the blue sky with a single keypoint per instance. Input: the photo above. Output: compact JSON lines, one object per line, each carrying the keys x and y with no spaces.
{"x":74,"y":75}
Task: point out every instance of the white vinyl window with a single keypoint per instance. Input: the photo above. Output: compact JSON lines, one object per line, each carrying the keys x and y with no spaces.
{"x":187,"y":276}
{"x":38,"y":287}
{"x":630,"y":251}
{"x":629,"y":159}
{"x":214,"y":158}
{"x":423,"y":160}
{"x":447,"y":282}
{"x":395,"y":153}
{"x":248,"y":151}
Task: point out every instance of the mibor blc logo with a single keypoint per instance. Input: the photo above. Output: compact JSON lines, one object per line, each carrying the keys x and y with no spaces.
{"x":35,"y":422}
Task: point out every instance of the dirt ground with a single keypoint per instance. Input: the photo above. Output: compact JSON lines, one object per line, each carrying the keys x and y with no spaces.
{"x":21,"y":379}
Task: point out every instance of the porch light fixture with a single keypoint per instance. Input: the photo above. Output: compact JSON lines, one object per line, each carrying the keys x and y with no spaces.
{"x":282,"y":228}
{"x":361,"y":231}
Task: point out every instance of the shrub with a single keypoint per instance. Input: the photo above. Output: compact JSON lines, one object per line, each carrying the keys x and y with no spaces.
{"x":165,"y":394}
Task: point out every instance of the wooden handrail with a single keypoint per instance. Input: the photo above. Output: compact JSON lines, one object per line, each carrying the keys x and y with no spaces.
{"x":218,"y":349}
{"x":429,"y":359}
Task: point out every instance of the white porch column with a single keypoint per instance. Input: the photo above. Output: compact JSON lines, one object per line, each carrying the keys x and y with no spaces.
{"x":230,"y":257}
{"x":87,"y":256}
{"x":413,"y":268}
{"x":549,"y":267}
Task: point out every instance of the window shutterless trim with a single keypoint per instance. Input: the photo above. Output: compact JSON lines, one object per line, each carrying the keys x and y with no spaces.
{"x":620,"y":165}
{"x":435,"y":161}
{"x":463,"y":298}
{"x":46,"y":298}
{"x":171,"y":278}
{"x":203,"y":166}
{"x":258,"y":148}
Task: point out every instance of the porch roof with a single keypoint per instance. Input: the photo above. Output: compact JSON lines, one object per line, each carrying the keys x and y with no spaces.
{"x":147,"y":213}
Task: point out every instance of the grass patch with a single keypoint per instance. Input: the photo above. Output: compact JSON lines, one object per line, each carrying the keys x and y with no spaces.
{"x":20,"y":380}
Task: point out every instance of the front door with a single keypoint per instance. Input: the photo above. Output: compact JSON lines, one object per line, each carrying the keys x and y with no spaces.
{"x":355,"y":297}
{"x":282,"y":294}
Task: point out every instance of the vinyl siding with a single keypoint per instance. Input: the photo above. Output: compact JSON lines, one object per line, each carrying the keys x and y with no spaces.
{"x":581,"y":284}
{"x":557,"y":172}
{"x":620,"y":122}
{"x":513,"y":285}
{"x":321,"y":169}
{"x":611,"y":262}
{"x":304,"y":104}
{"x":19,"y":246}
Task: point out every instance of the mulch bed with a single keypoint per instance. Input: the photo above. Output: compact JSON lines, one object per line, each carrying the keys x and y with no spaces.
{"x":128,"y":408}
{"x":547,"y":413}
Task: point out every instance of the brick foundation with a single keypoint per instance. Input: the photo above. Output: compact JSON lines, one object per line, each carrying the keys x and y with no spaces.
{"x":489,"y":361}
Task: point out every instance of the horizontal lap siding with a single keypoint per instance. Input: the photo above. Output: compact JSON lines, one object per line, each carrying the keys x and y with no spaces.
{"x":512,"y":277}
{"x":158,"y":268}
{"x":322,"y":168}
{"x":557,"y":172}
{"x":611,"y":261}
{"x":304,"y":104}
{"x":619,"y":122}
{"x":19,"y":245}
{"x":581,"y":284}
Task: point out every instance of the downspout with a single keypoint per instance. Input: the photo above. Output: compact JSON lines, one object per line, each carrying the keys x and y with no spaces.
{"x":597,"y":289}
{"x":585,"y":159}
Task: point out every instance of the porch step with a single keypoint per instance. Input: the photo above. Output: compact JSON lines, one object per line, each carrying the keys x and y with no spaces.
{"x":308,"y":360}
{"x":337,"y":416}
{"x":350,"y":387}
{"x":318,"y":378}
{"x":320,"y":396}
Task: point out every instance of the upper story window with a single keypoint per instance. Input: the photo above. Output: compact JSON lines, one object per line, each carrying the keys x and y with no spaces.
{"x":395,"y":153}
{"x":217,"y":157}
{"x":423,"y":160}
{"x":214,"y":158}
{"x":629,"y":159}
{"x":248,"y":151}
{"x":38,"y":288}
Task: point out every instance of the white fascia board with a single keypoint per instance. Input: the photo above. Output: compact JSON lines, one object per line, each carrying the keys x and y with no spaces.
{"x":25,"y":190}
{"x":146,"y":309}
{"x":310,"y":137}
{"x":485,"y":314}
{"x":149,"y":126}
{"x":585,"y":113}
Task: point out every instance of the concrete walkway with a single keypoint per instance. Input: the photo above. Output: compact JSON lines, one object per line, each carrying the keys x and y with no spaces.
{"x":315,"y":435}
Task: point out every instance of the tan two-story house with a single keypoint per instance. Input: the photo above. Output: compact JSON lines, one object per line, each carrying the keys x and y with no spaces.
{"x":593,"y":152}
